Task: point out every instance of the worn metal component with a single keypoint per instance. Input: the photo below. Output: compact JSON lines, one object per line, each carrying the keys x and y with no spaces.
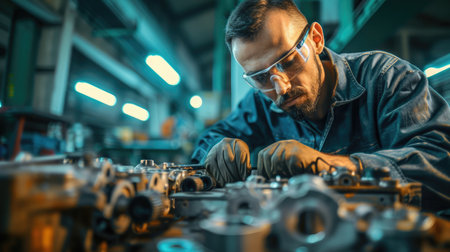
{"x":192,"y":184}
{"x":401,"y":230}
{"x":146,"y":206}
{"x":159,"y":182}
{"x":240,"y":201}
{"x":198,"y":204}
{"x":61,"y":203}
{"x":307,"y":218}
{"x":197,"y":183}
{"x":375,"y":186}
{"x":116,"y":209}
{"x":178,"y":245}
{"x":229,"y":234}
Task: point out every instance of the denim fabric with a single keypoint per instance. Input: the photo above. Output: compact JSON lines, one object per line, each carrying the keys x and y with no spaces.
{"x":383,"y":112}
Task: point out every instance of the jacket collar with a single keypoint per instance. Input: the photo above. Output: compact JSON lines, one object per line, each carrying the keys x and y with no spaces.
{"x":348,"y":88}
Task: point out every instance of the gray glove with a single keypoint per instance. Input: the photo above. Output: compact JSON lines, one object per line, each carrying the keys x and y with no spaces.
{"x":287,"y":158}
{"x":228,"y":161}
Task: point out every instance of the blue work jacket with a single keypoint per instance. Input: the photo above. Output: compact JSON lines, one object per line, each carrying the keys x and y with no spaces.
{"x":383,"y":113}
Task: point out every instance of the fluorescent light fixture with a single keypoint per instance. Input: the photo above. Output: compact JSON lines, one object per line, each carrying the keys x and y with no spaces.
{"x":196,"y":101}
{"x":95,"y":93}
{"x":135,"y":111}
{"x":163,"y":69}
{"x":433,"y":70}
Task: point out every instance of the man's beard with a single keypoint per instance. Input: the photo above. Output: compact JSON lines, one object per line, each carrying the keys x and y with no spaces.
{"x":309,"y":106}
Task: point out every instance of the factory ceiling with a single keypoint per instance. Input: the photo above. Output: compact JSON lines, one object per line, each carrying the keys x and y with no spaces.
{"x":377,"y":24}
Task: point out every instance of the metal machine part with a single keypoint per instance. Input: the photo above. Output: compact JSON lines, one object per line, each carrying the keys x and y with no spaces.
{"x":406,"y":229}
{"x":307,"y":218}
{"x":198,"y":205}
{"x":159,"y":181}
{"x":241,"y":201}
{"x":375,"y":187}
{"x":35,"y":200}
{"x":97,"y":205}
{"x":197,"y":183}
{"x":178,"y":245}
{"x":229,"y":234}
{"x":115,"y":219}
{"x":146,"y":206}
{"x":192,"y":184}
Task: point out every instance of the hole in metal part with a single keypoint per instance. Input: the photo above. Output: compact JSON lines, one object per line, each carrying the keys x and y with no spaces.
{"x":311,"y":224}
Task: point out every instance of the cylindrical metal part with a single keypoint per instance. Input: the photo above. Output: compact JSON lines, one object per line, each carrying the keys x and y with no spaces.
{"x":145,"y":206}
{"x":208,"y":183}
{"x":344,"y":177}
{"x":192,"y":184}
{"x":147,"y":162}
{"x":225,"y":235}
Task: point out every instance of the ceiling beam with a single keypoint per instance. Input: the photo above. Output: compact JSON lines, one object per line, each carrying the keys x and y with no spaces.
{"x":114,"y":67}
{"x":40,"y":10}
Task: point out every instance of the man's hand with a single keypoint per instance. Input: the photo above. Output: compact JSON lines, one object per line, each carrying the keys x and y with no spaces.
{"x":288,"y":158}
{"x":228,"y":161}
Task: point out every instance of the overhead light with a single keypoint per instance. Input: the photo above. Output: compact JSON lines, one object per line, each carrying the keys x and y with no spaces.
{"x":196,"y":101}
{"x":433,"y":70}
{"x":163,"y":69}
{"x":135,"y":111}
{"x":95,"y":93}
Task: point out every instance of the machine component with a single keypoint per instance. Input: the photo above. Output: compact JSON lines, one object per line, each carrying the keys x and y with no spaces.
{"x":116,"y":209}
{"x":35,"y":200}
{"x":192,"y":184}
{"x":307,"y":218}
{"x":178,"y":245}
{"x":146,"y":206}
{"x":208,"y":182}
{"x":159,"y":181}
{"x":88,"y":204}
{"x":374,"y":187}
{"x":240,"y":201}
{"x":197,"y":183}
{"x":344,"y":177}
{"x":198,"y":205}
{"x":229,"y":234}
{"x":406,"y":229}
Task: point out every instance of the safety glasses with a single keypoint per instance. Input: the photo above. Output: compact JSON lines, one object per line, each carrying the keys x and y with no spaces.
{"x":291,"y":64}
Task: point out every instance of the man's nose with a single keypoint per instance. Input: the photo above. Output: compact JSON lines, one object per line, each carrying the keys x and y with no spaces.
{"x":280,"y":84}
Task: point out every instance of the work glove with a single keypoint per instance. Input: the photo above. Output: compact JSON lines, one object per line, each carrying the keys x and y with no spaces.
{"x":228,"y":161}
{"x":288,"y":158}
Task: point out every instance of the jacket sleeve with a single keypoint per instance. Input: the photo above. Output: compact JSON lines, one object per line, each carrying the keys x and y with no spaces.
{"x":414,"y":129}
{"x":245,"y":122}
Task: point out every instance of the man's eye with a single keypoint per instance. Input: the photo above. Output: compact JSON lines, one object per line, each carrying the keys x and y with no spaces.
{"x":287,"y":63}
{"x":261,"y":78}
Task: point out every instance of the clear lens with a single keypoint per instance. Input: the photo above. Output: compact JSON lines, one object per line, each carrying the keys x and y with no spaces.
{"x":290,"y":65}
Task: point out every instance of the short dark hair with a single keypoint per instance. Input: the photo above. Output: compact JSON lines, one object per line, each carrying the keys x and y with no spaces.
{"x":247,"y":18}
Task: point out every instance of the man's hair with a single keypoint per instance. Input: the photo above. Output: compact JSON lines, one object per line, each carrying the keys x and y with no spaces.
{"x":247,"y":19}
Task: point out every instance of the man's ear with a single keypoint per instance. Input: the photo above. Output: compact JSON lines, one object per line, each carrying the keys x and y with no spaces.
{"x":316,"y":35}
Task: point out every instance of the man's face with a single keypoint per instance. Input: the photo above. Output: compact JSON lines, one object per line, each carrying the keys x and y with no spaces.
{"x":300,"y":95}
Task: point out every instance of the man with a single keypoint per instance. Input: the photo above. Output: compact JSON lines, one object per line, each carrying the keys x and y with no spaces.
{"x":312,"y":109}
